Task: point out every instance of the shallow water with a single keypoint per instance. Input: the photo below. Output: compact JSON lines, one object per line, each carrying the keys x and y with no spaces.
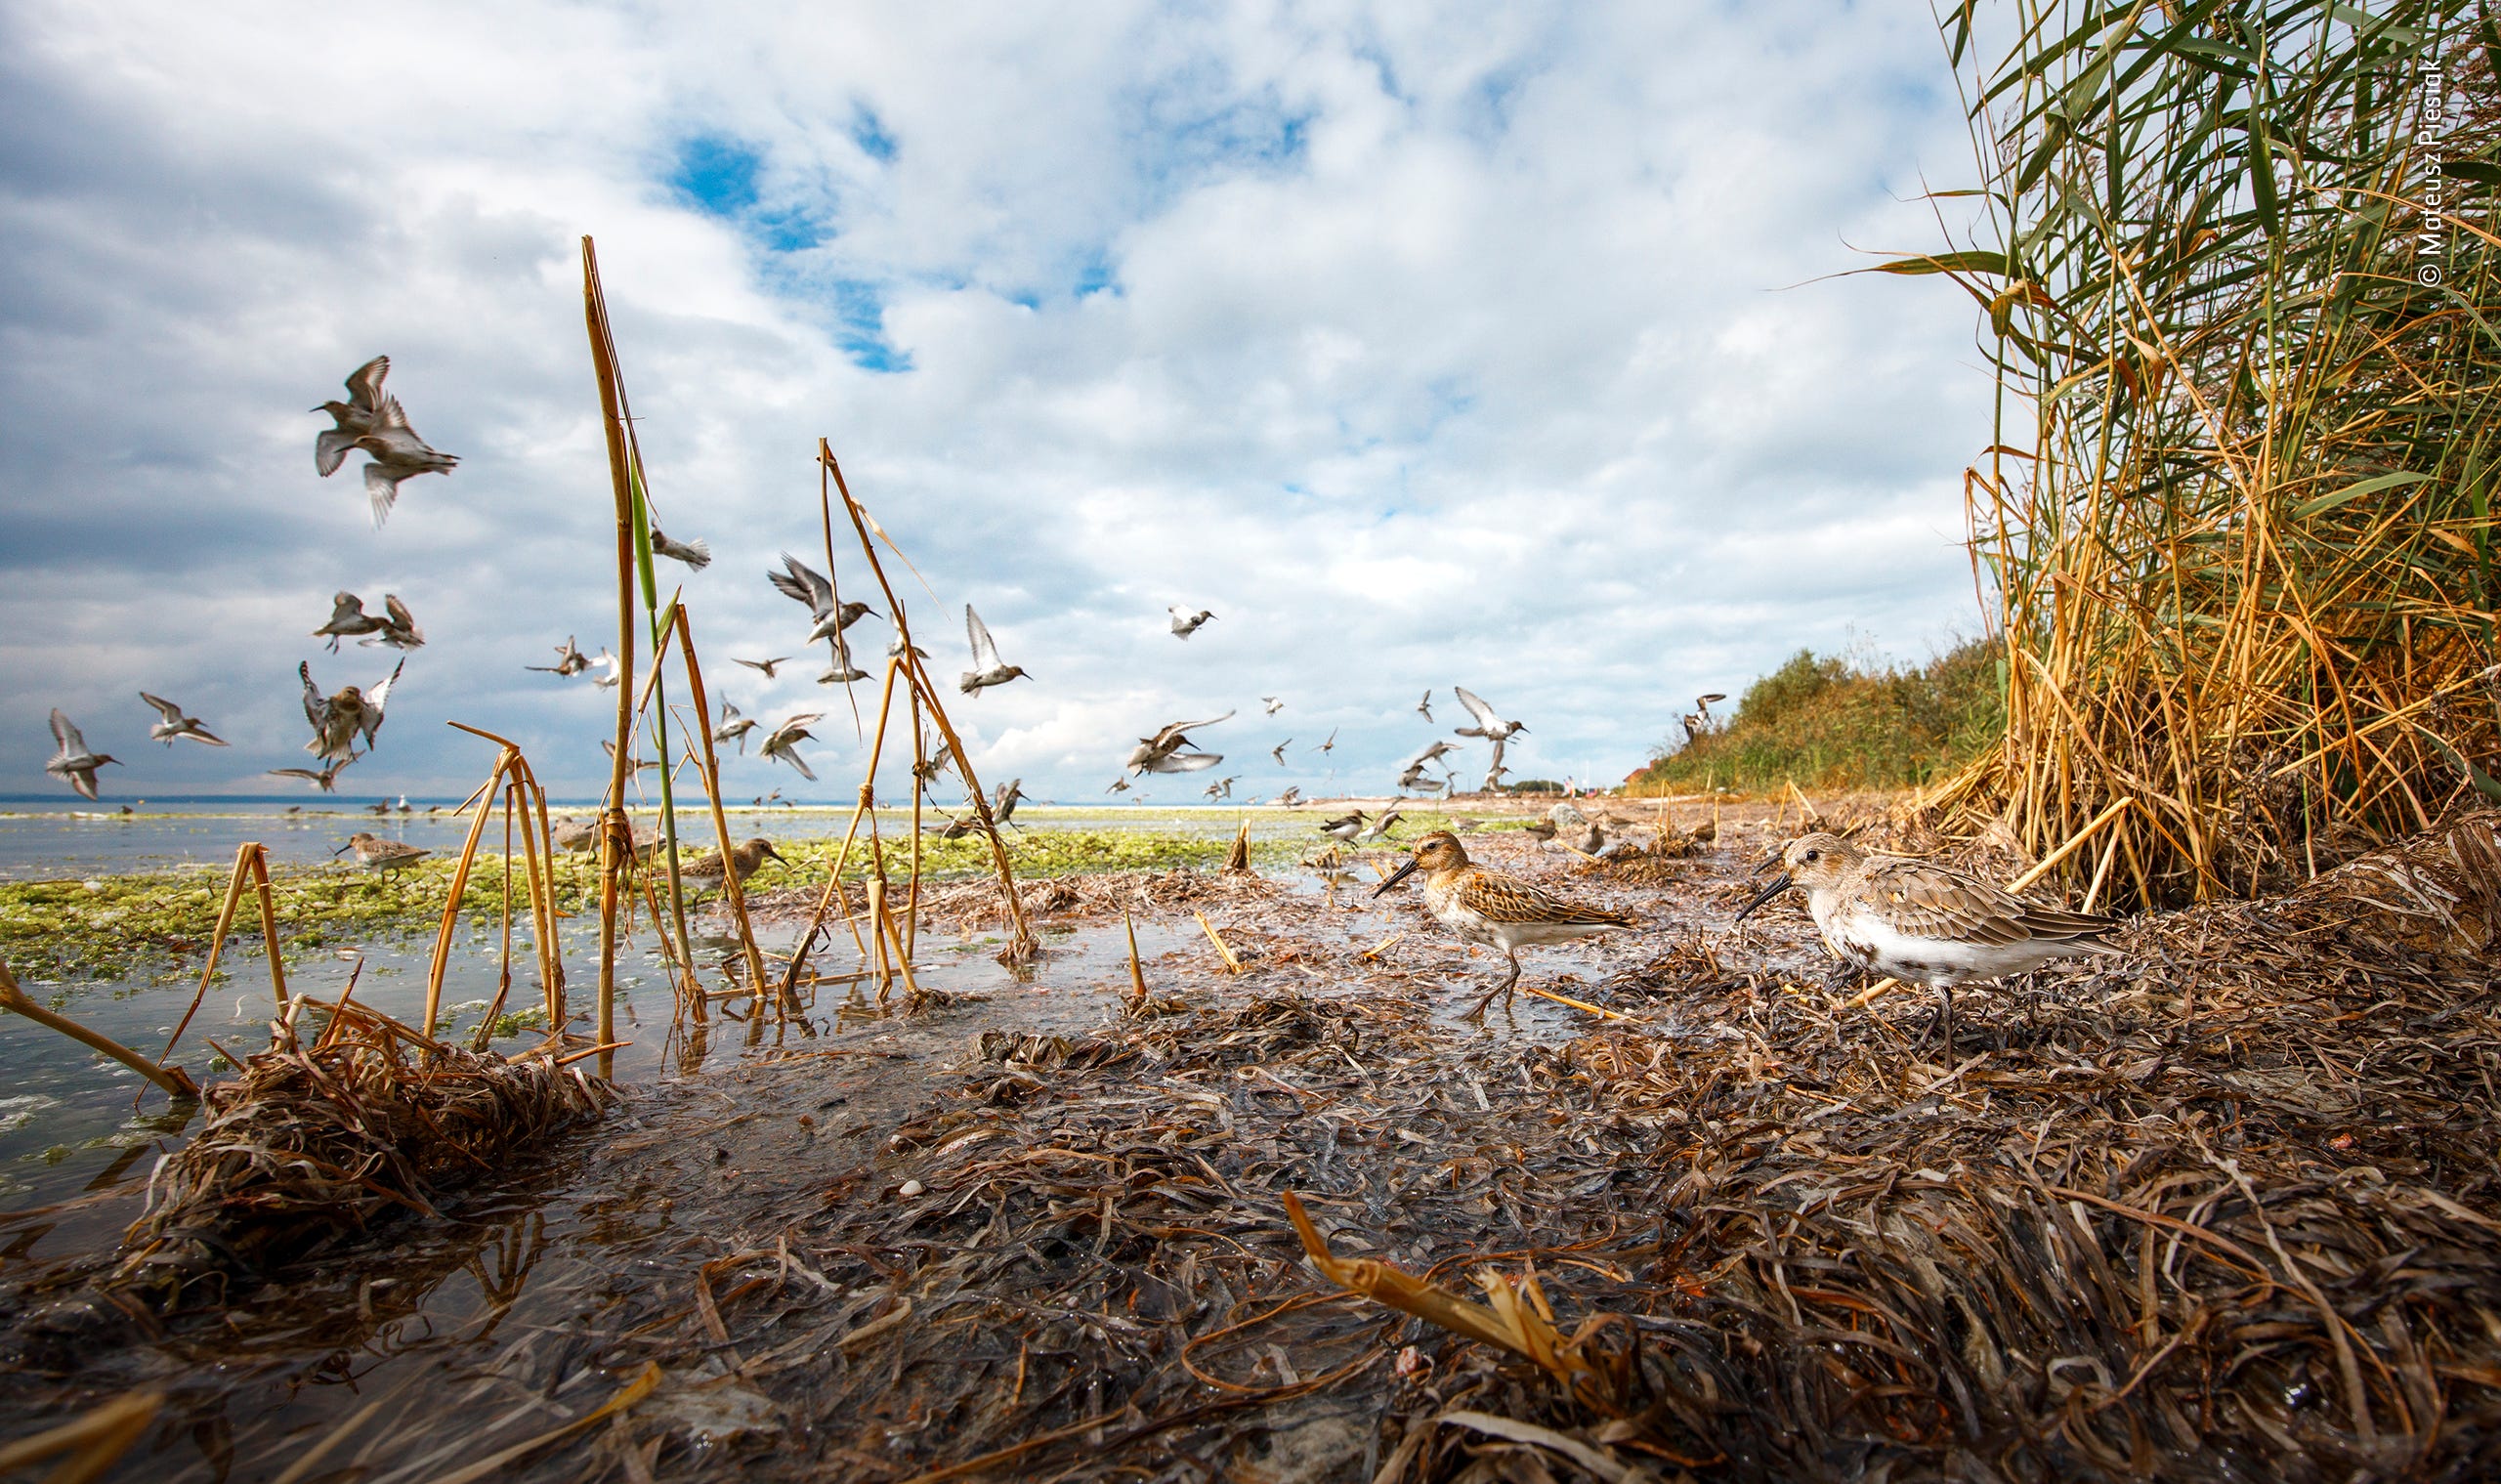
{"x":57,"y":842}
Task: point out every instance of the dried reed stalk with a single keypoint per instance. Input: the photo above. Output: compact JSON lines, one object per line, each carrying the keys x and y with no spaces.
{"x":251,"y":862}
{"x":174,"y":1079}
{"x":2237,"y":317}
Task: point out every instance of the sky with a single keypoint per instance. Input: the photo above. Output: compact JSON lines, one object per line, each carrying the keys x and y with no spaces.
{"x":1501,"y":345}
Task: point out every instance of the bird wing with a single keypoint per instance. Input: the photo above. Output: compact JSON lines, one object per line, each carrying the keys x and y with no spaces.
{"x":306,"y":773}
{"x":63,"y":732}
{"x":365,"y":384}
{"x":374,"y":700}
{"x":330,"y":450}
{"x":804,"y":584}
{"x":984,"y":649}
{"x":1930,"y":902}
{"x":1183,"y":762}
{"x":1476,"y":706}
{"x":1172,"y":735}
{"x":381,"y":491}
{"x":345,"y":608}
{"x":1507,"y":899}
{"x":172,"y":714}
{"x":399,"y":612}
{"x":389,"y":414}
{"x":317,"y":706}
{"x":791,"y":755}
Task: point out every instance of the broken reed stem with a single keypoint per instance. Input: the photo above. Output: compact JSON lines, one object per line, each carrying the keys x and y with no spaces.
{"x":98,"y":1436}
{"x":903,"y":960}
{"x":919,"y":761}
{"x":1232,"y":965}
{"x":268,"y":921}
{"x":842,"y":857}
{"x":1137,"y":970}
{"x":217,"y":945}
{"x":878,"y":938}
{"x":732,"y":886}
{"x":174,"y":1079}
{"x":616,"y":842}
{"x":513,"y":773}
{"x":1022,"y":949}
{"x":452,"y":903}
{"x":503,"y":965}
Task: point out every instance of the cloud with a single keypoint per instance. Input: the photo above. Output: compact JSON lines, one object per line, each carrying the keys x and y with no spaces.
{"x":1424,"y":345}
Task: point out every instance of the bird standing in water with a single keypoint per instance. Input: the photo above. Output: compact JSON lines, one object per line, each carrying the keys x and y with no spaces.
{"x":1496,"y":909}
{"x":1923,"y":923}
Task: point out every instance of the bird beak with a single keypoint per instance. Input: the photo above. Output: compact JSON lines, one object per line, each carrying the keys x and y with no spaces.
{"x":1779,"y":883}
{"x":342,"y":850}
{"x":1395,"y":877}
{"x":777,"y":855}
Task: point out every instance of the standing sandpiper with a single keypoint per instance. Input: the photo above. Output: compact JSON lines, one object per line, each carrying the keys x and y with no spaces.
{"x":1496,"y":909}
{"x":748,"y":857}
{"x":376,"y":854}
{"x":1923,"y":923}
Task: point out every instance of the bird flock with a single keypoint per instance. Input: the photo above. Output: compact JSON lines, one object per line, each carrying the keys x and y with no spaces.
{"x":372,"y":422}
{"x":347,"y":722}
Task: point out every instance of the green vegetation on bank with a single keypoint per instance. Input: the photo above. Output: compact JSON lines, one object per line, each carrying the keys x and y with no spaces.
{"x":111,"y":923}
{"x":1827,"y":721}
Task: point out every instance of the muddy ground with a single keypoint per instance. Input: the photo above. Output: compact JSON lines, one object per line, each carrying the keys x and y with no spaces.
{"x":2219,"y":1207}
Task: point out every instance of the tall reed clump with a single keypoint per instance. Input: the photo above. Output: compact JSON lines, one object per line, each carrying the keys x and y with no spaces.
{"x":2237,"y":271}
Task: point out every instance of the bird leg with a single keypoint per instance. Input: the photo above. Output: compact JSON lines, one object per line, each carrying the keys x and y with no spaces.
{"x":1945,"y":1019}
{"x":1506,"y":990}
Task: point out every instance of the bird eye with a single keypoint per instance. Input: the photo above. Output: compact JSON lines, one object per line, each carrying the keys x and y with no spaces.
{"x":1810,"y":855}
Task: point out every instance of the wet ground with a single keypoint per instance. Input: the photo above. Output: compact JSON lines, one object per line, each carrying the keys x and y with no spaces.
{"x":1029,"y":1231}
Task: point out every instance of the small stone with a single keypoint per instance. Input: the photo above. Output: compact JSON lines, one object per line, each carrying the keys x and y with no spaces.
{"x":910,"y":1189}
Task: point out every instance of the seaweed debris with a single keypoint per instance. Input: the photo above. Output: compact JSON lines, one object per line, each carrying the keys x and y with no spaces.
{"x":314,"y":1143}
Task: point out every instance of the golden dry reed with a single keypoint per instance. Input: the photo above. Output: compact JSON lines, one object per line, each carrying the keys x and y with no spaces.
{"x":2238,"y":514}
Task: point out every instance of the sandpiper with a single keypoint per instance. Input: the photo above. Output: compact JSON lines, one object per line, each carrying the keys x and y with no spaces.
{"x":842,"y":671}
{"x":1119,"y":784}
{"x":353,"y":417}
{"x":1425,"y":708}
{"x":1291,"y":796}
{"x":348,"y":620}
{"x":327,"y":780}
{"x":1171,"y":751}
{"x":1222,"y":789}
{"x":1345,"y":827}
{"x":176,"y":724}
{"x":575,"y":835}
{"x":1279,"y":752}
{"x":1379,"y":827}
{"x":398,"y":453}
{"x":748,"y":857}
{"x":374,"y":853}
{"x":398,"y":630}
{"x":1415,"y":781}
{"x":1489,"y":725}
{"x":337,"y":720}
{"x":1498,"y":910}
{"x":73,"y":764}
{"x":569,"y":660}
{"x":803,"y":584}
{"x":1186,"y":625}
{"x":1924,"y":923}
{"x":639,"y":765}
{"x":782,"y":745}
{"x":1331,"y":746}
{"x":1005,"y":799}
{"x":1273,"y":704}
{"x":696,"y":554}
{"x":987,"y":669}
{"x":611,"y":670}
{"x":766,"y":665}
{"x":733,"y":727}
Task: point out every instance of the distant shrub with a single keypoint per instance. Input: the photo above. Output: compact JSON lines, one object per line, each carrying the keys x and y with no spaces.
{"x":1827,"y":722}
